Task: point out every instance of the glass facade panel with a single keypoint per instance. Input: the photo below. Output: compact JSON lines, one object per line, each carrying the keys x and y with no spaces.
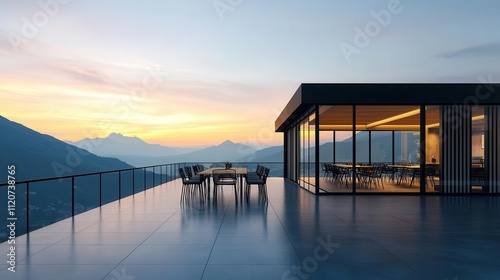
{"x":363,"y":147}
{"x":307,"y":153}
{"x":433,"y":148}
{"x":407,"y":147}
{"x":312,"y":153}
{"x":335,"y":148}
{"x":478,"y":163}
{"x":291,"y":152}
{"x":381,"y":147}
{"x":343,"y":147}
{"x":385,"y":165}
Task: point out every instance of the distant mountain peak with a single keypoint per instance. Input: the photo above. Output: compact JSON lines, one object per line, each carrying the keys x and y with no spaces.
{"x":114,"y":134}
{"x":117,"y":145}
{"x":227,"y":143}
{"x":122,"y":138}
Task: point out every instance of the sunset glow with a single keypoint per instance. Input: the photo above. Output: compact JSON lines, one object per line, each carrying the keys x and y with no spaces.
{"x":179,"y":73}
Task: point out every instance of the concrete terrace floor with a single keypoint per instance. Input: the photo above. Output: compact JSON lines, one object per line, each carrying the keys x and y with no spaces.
{"x":296,"y":235}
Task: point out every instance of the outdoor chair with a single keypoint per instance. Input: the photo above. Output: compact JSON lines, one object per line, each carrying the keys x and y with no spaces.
{"x":224,"y":177}
{"x":261,"y":182}
{"x":189,"y":183}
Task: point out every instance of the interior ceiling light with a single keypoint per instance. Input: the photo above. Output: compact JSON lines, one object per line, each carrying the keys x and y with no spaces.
{"x":394,"y":118}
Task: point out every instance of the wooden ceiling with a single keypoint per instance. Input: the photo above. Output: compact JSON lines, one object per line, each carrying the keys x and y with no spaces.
{"x":340,"y":117}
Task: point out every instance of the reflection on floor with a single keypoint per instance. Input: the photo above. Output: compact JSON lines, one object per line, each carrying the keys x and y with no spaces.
{"x":291,"y":235}
{"x":388,"y":186}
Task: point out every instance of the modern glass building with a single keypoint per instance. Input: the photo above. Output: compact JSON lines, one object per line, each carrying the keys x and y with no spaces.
{"x":393,"y":138}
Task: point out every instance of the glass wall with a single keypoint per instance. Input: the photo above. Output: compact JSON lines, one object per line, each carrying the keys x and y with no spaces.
{"x":407,"y":147}
{"x":307,"y":153}
{"x":335,"y":148}
{"x":388,"y":149}
{"x":478,"y":166}
{"x":381,"y":147}
{"x":363,"y":147}
{"x":291,"y":153}
{"x":343,"y":147}
{"x":312,"y":153}
{"x":433,"y":148}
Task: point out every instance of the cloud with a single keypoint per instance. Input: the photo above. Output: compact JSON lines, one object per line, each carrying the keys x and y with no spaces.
{"x":473,"y":77}
{"x":490,"y":49}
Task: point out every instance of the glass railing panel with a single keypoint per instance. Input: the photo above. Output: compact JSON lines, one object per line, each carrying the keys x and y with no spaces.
{"x":149,"y":178}
{"x":50,"y":202}
{"x":18,"y":208}
{"x":109,"y":187}
{"x":126,"y":183}
{"x":86,"y":193}
{"x":139,"y":180}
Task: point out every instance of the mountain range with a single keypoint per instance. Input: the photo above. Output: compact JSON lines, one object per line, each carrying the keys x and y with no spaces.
{"x":136,"y":152}
{"x":37,"y":155}
{"x":117,"y":144}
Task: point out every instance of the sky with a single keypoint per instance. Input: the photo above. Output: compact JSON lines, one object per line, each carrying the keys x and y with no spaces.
{"x":198,"y":72}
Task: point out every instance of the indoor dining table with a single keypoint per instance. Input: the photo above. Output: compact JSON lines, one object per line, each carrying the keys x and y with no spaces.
{"x":403,"y":168}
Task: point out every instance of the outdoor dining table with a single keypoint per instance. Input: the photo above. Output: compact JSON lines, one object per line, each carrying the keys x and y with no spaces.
{"x":240,"y":171}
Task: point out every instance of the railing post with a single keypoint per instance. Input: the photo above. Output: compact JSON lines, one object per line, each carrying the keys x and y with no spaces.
{"x":144,"y":179}
{"x":133,"y":182}
{"x":72,"y":196}
{"x":27,"y":207}
{"x":154,"y":175}
{"x":120,"y":184}
{"x":100,"y":189}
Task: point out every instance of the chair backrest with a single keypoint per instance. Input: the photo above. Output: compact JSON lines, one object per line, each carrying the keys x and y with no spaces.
{"x":224,"y":175}
{"x":430,"y":170}
{"x":265,"y":175}
{"x":189,"y":172}
{"x":182,"y":174}
{"x":257,"y":168}
{"x":260,"y":170}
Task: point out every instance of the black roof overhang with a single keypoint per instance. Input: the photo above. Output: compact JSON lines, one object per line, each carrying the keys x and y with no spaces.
{"x":308,"y":95}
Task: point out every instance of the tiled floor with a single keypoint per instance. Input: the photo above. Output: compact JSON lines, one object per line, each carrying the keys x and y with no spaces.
{"x":296,"y":235}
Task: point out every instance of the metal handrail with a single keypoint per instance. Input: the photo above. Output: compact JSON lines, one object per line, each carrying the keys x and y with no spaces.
{"x":173,"y":173}
{"x":88,"y":174}
{"x":127,"y":169}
